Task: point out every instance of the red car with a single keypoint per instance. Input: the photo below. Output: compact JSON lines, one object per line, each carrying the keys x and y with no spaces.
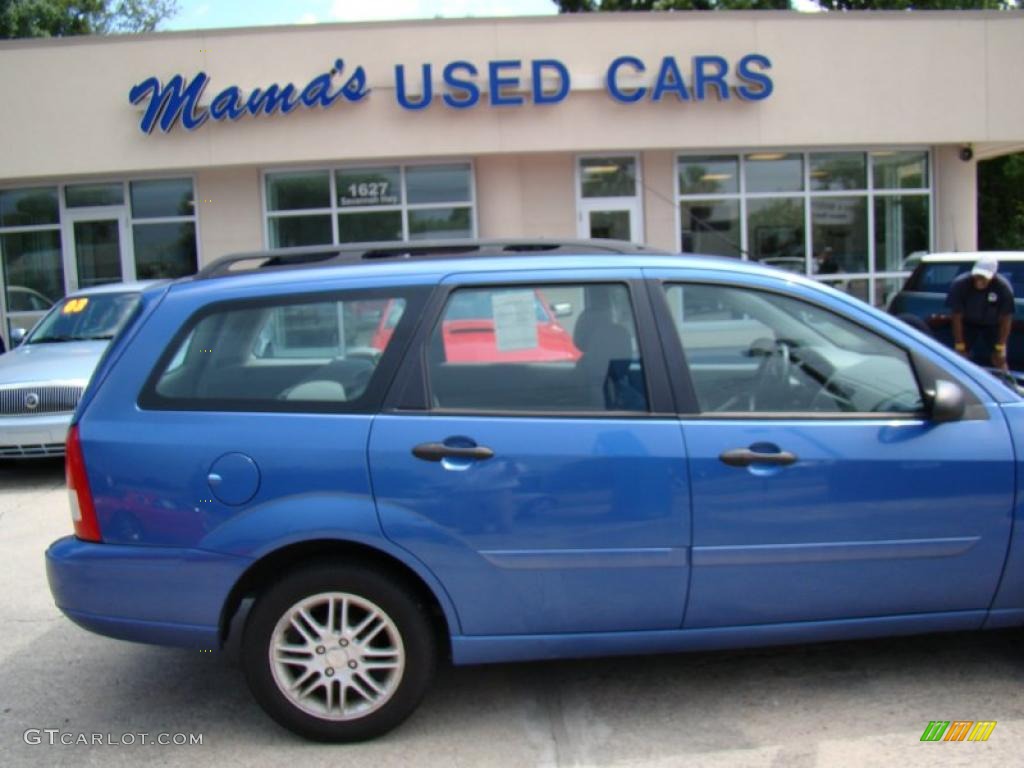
{"x":470,"y":335}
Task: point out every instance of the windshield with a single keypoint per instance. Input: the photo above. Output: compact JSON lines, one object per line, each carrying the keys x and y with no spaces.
{"x":935,"y":277}
{"x":85,"y":318}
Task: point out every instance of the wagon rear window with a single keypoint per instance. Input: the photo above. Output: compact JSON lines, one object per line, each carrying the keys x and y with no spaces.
{"x":314,"y":355}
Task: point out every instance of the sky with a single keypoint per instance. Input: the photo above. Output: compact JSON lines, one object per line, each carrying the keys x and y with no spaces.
{"x":209,"y":14}
{"x":206,"y":14}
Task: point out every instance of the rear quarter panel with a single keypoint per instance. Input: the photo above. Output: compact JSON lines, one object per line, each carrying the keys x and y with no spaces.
{"x":1008,"y":605}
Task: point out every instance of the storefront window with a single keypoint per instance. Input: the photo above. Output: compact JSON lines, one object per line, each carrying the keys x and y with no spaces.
{"x":776,"y":227}
{"x":162,"y":198}
{"x":362,"y":187}
{"x":298,"y":191}
{"x":609,"y":225}
{"x":839,"y":234}
{"x":289,"y":231}
{"x":440,"y":224}
{"x":369,"y":227}
{"x":115,"y":230}
{"x":709,"y":175}
{"x":900,"y":170}
{"x":29,"y":207}
{"x":164,"y":250}
{"x":438,"y":184}
{"x":774,"y":172}
{"x":608,"y":176}
{"x":901,"y":229}
{"x":375,"y":204}
{"x":90,"y":195}
{"x":712,"y":227}
{"x":32,"y":262}
{"x":838,"y":171}
{"x":867,"y":211}
{"x":163,"y":223}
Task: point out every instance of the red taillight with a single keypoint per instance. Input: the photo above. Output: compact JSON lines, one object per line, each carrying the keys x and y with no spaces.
{"x":83,"y":513}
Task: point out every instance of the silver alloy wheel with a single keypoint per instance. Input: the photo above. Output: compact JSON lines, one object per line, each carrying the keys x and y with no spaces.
{"x":336,"y":656}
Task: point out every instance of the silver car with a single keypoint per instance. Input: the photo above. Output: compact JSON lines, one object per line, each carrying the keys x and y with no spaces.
{"x":42,"y":380}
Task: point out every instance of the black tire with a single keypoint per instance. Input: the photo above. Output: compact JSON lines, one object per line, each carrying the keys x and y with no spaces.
{"x":366,"y":587}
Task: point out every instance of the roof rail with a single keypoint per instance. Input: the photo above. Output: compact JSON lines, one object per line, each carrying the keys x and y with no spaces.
{"x":336,"y":255}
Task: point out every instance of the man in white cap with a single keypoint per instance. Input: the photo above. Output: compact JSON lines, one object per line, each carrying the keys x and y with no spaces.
{"x":982,"y":306}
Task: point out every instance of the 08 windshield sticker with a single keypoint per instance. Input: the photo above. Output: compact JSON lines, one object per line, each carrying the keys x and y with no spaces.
{"x":515,"y":321}
{"x":74,"y":306}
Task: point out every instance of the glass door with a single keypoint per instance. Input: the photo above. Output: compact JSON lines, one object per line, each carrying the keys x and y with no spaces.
{"x":98,"y":248}
{"x":603,"y":224}
{"x":608,"y":200}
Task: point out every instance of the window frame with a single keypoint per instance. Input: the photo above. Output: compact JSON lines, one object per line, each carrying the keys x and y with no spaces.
{"x":335,"y":210}
{"x":369,"y":402}
{"x":631,"y":204}
{"x":410,"y":391}
{"x":65,"y":220}
{"x":686,"y":393}
{"x":870,"y":193}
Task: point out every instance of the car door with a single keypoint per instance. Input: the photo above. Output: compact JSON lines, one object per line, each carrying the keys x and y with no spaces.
{"x":547,"y":495}
{"x":821,"y":490}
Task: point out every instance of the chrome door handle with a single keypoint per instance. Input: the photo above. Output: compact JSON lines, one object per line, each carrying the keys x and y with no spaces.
{"x":439,"y":451}
{"x":744,"y":457}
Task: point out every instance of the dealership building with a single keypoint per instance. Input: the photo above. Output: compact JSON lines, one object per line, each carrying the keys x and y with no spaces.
{"x":836,"y":145}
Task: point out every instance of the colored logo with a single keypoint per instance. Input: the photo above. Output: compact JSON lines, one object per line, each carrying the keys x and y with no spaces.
{"x":958,"y":730}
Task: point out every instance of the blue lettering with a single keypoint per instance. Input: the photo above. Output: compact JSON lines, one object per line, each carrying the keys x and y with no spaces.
{"x":272,"y":99}
{"x":168,"y":103}
{"x":702,"y":79}
{"x":497,"y":82}
{"x":470,"y":89}
{"x":763,"y":84}
{"x":400,"y":92}
{"x":316,"y":91}
{"x":227,"y":104}
{"x":354,"y":88}
{"x":670,"y":80}
{"x":626,"y":97}
{"x":538,"y":67}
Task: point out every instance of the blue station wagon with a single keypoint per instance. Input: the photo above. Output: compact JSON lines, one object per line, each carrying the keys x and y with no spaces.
{"x":738,"y":456}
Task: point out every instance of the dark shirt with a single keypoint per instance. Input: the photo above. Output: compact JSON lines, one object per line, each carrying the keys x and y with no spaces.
{"x":980,"y":307}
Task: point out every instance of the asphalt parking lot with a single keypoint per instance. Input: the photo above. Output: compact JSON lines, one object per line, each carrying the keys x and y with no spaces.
{"x":840,"y":704}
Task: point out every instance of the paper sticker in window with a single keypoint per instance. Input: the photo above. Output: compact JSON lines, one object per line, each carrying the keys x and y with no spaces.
{"x":515,"y":320}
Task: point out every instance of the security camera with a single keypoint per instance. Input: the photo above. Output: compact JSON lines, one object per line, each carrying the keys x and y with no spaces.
{"x":966,"y":153}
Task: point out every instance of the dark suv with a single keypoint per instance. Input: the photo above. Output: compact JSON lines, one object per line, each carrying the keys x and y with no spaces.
{"x":922,"y":300}
{"x":727,"y":455}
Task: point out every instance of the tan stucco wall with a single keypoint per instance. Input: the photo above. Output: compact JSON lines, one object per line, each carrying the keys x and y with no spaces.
{"x":659,"y":200}
{"x":840,"y":80}
{"x":956,"y":214}
{"x":526,"y":196}
{"x":230,"y":219}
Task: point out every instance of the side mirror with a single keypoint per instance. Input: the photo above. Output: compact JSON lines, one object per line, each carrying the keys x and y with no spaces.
{"x":562,"y":308}
{"x":17,"y":336}
{"x":946,"y":402}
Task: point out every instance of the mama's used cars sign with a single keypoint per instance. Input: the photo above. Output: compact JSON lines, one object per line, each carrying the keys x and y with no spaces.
{"x":462,"y":85}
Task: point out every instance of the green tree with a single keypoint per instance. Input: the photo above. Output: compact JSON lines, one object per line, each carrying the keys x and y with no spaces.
{"x":918,"y":5}
{"x":61,"y":18}
{"x":135,"y":15}
{"x":1001,"y":203}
